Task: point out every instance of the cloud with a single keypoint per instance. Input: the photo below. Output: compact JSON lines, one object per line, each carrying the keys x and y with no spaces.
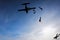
{"x":45,"y":30}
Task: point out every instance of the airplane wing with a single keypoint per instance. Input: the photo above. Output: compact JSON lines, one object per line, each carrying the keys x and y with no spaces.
{"x":31,"y":8}
{"x":21,"y":10}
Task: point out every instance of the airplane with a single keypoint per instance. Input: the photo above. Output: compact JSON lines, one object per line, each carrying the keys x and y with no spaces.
{"x":26,"y":8}
{"x":40,"y":19}
{"x":57,"y":35}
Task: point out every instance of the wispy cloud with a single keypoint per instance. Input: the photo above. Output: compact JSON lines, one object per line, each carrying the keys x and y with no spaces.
{"x":45,"y":30}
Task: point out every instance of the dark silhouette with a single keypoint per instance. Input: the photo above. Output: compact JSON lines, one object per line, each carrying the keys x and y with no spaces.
{"x":26,"y":8}
{"x":41,"y":8}
{"x":34,"y":11}
{"x":40,"y":19}
{"x":57,"y":35}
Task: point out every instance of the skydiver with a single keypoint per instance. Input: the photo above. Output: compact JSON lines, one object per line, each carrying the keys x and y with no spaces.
{"x":40,"y":19}
{"x":41,"y":8}
{"x":34,"y":11}
{"x":57,"y":35}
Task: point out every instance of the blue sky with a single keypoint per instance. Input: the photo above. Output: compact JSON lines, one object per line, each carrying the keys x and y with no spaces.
{"x":16,"y":25}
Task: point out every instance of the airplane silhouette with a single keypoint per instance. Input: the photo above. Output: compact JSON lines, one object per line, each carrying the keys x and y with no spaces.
{"x":57,"y":35}
{"x":26,"y":8}
{"x":40,"y":19}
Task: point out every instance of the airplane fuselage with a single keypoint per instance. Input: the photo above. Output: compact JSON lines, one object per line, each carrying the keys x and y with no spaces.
{"x":26,"y":8}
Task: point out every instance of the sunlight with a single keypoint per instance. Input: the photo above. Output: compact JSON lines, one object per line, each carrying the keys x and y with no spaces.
{"x":49,"y":30}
